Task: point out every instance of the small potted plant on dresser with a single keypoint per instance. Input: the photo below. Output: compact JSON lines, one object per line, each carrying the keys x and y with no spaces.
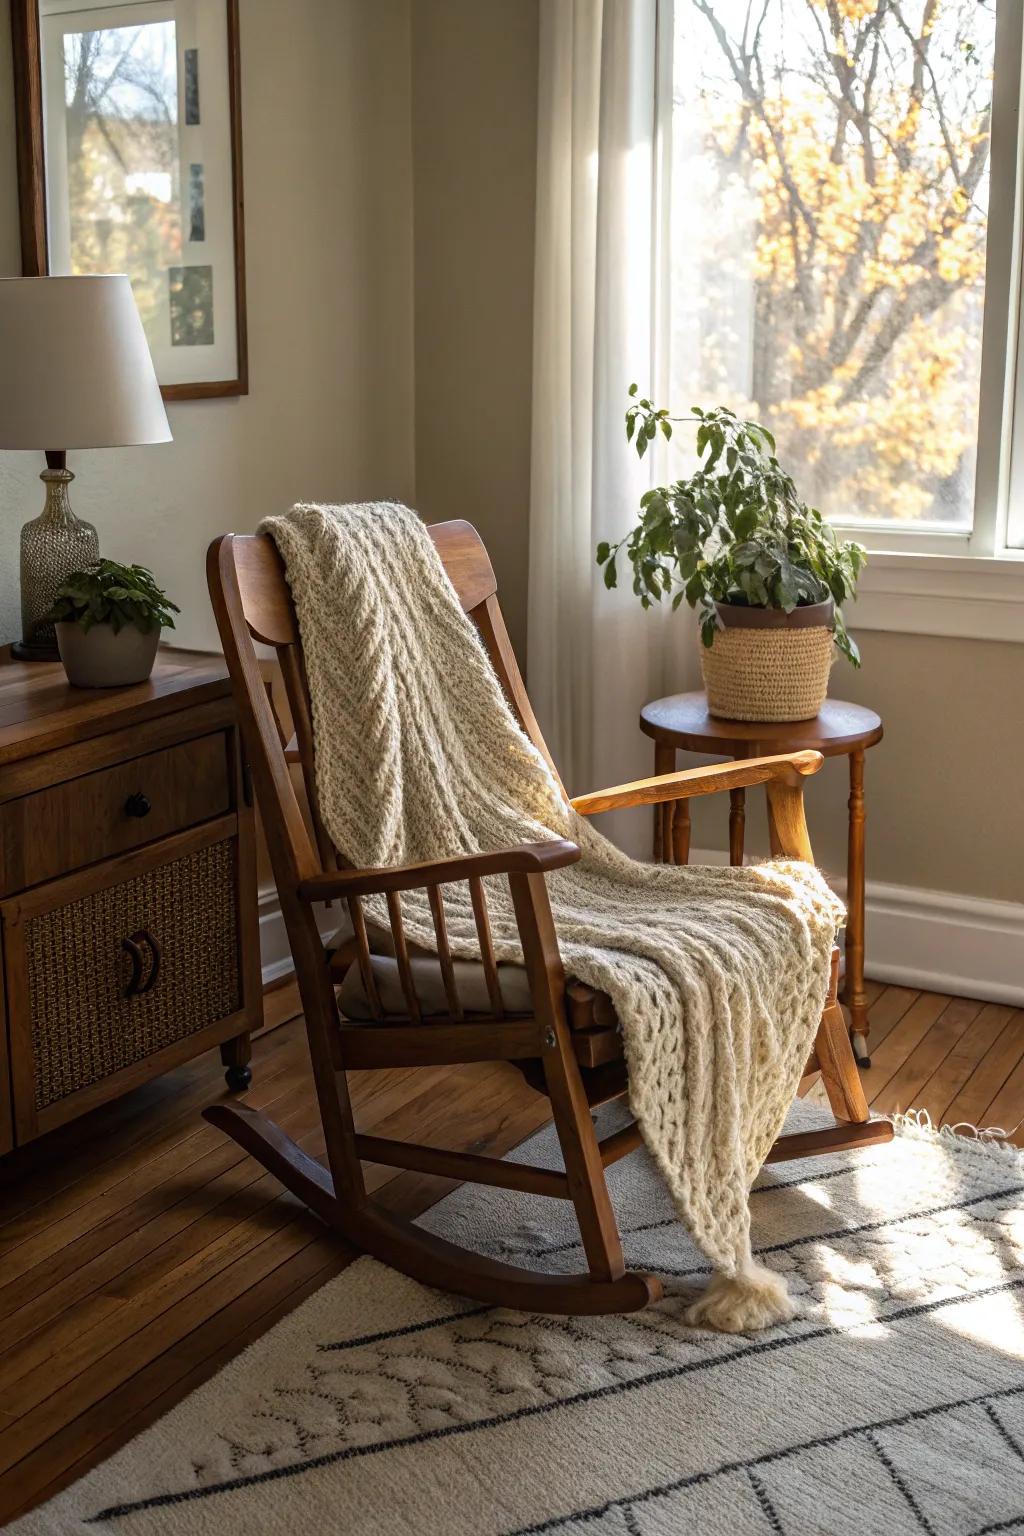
{"x":109,"y":619}
{"x":765,"y":572}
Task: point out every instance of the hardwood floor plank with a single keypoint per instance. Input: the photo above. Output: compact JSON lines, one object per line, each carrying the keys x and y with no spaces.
{"x":953,"y":1073}
{"x":903,"y":1087}
{"x":207,"y":1199}
{"x":50,"y":1180}
{"x":889,"y":1055}
{"x":156,"y":1389}
{"x":281,"y":1004}
{"x":52,"y":1357}
{"x":973,"y":1100}
{"x":889,"y":1008}
{"x":79,"y":1212}
{"x":94,"y":1386}
{"x":1007,"y":1107}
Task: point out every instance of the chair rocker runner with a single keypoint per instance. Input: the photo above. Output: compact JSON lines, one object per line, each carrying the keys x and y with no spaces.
{"x":560,"y":1035}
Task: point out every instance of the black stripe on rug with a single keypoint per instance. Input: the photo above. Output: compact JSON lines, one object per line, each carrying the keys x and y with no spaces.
{"x":794,"y":1242}
{"x":594,"y":1394}
{"x":820,"y":1442}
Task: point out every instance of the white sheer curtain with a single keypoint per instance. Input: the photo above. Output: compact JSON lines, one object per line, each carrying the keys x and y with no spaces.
{"x":599,"y":315}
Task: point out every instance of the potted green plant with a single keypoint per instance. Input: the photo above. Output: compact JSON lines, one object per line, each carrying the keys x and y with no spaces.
{"x":108,"y":619}
{"x":765,"y":572}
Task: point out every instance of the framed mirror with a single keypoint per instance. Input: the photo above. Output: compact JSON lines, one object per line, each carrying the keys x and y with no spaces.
{"x":129,"y":146}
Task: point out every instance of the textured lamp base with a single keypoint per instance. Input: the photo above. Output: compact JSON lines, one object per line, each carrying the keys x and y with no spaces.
{"x":22,"y":652}
{"x":52,"y":546}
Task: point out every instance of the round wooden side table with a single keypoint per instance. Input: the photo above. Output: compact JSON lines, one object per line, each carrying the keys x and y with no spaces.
{"x":681,"y":721}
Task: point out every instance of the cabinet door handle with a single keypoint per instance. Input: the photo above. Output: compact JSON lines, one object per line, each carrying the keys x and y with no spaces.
{"x":157,"y":956}
{"x":133,"y":946}
{"x":137,"y":805}
{"x":135,"y":955}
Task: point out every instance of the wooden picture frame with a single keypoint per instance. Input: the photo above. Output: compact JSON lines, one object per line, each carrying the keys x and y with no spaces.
{"x":27,"y":41}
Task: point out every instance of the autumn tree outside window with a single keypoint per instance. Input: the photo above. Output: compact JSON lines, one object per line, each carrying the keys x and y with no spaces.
{"x":835,"y":170}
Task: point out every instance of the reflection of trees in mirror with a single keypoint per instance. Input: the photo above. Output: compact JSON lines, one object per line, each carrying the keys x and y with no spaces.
{"x":830,"y":167}
{"x":121,"y":105}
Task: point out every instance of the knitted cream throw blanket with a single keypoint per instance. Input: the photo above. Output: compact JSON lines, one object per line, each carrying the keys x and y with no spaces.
{"x":718,"y":976}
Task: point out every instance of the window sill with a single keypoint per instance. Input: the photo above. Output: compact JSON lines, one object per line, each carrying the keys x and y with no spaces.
{"x":970,"y":596}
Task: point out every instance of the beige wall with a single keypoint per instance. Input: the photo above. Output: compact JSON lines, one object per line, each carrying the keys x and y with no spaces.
{"x":328,"y":178}
{"x":943,"y":786}
{"x":474,"y":71}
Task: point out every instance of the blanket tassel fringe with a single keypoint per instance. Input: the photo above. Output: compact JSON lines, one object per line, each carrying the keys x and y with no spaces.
{"x":752,"y":1298}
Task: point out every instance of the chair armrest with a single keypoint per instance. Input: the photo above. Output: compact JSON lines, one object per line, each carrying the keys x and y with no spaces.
{"x":787,"y":768}
{"x":526,"y":859}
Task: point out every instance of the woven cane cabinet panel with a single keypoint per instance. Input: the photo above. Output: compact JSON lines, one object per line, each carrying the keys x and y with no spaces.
{"x":93,"y":1008}
{"x":143,"y":950}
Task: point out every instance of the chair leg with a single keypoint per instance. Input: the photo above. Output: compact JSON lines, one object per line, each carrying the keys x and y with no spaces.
{"x":839,"y":1068}
{"x":855,"y":1127}
{"x":581,"y":1153}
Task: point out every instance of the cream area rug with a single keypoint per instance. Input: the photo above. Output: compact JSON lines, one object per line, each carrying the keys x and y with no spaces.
{"x":893,"y":1403}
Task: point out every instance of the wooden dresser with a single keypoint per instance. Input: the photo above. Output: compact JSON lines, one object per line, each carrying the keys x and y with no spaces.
{"x":127,"y":886}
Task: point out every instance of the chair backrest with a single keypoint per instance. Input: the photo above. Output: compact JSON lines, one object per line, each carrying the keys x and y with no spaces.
{"x":252,"y":602}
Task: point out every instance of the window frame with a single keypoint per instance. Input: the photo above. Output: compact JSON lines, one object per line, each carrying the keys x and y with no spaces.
{"x":927,"y":578}
{"x":969,"y":584}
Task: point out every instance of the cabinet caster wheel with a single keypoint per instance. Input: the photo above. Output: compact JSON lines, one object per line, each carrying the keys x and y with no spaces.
{"x":238,"y":1078}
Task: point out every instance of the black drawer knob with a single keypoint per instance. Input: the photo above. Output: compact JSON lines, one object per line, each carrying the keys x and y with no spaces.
{"x":137,"y":805}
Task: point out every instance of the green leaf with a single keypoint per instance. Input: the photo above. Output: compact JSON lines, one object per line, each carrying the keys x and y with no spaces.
{"x":633,"y":388}
{"x":611,"y":575}
{"x":604,"y":549}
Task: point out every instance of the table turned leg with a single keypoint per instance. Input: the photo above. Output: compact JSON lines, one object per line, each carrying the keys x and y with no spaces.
{"x":664,"y":762}
{"x":853,"y":991}
{"x":737,"y":824}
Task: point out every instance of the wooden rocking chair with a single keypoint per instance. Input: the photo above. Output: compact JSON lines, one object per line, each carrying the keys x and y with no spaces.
{"x":566,"y":1044}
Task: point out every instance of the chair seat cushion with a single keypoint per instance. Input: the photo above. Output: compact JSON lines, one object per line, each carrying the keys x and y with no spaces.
{"x":587,"y":1008}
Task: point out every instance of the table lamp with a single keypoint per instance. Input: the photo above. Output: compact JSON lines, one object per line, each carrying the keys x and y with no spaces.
{"x":75,"y":369}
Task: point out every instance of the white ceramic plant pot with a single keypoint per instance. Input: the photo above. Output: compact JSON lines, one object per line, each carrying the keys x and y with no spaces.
{"x":97,"y":658}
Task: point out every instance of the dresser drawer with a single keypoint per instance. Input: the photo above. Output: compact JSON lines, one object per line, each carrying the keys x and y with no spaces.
{"x":56,"y":830}
{"x":110,"y":973}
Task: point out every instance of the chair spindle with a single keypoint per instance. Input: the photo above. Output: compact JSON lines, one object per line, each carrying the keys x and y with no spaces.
{"x":483,"y":933}
{"x":412,"y":1001}
{"x":282,"y":734}
{"x":294,"y":674}
{"x":444,"y":953}
{"x":355,"y":908}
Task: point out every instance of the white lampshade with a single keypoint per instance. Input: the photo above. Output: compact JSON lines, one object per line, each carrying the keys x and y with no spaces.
{"x":75,"y":369}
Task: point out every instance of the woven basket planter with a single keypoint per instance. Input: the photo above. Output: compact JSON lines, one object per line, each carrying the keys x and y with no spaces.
{"x":769,"y":665}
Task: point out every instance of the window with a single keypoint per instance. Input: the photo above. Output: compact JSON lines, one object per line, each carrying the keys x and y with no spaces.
{"x":843,"y":181}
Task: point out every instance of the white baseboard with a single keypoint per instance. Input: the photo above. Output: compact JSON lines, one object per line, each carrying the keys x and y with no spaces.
{"x":936,"y":941}
{"x":275,"y":951}
{"x":940,"y":941}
